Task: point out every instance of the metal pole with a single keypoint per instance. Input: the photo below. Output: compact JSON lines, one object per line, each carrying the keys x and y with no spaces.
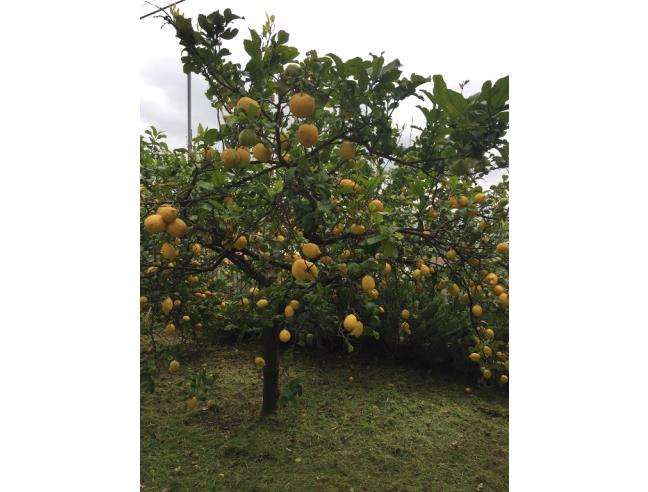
{"x":189,"y":112}
{"x":188,"y":79}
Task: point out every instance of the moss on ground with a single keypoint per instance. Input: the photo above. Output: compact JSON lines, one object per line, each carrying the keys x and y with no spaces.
{"x":393,"y":428}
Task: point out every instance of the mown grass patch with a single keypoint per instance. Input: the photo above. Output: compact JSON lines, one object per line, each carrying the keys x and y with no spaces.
{"x":392,"y":428}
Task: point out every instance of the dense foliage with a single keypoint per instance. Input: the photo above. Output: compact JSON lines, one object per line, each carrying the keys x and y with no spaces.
{"x":306,"y":191}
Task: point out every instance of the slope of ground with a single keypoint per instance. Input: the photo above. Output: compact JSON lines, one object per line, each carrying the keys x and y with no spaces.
{"x":390,"y":428}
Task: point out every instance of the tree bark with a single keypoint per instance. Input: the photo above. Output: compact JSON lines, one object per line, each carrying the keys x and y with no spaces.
{"x":271,"y":369}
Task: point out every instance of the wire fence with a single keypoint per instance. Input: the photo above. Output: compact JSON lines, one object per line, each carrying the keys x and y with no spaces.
{"x":235,"y":282}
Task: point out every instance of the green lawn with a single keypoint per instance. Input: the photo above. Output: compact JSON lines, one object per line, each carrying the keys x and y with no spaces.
{"x":392,"y":428}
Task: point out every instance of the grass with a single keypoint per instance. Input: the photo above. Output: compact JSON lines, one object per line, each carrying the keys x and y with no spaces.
{"x":392,"y":428}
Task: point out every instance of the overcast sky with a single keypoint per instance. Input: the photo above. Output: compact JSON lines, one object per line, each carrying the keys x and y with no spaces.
{"x":418,"y":36}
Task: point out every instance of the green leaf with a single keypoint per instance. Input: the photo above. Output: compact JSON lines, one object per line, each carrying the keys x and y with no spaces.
{"x":252,"y":49}
{"x":389,"y":249}
{"x":417,"y":188}
{"x":282,"y":37}
{"x":218,"y":178}
{"x":287,"y":53}
{"x":338,"y":63}
{"x":210,"y":136}
{"x":375,"y":239}
{"x":255,"y":37}
{"x":456,"y":104}
{"x":439,"y":85}
{"x":499,"y":94}
{"x":392,"y":65}
{"x":228,"y":34}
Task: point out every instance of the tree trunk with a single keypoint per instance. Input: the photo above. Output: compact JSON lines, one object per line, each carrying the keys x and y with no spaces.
{"x":271,"y":369}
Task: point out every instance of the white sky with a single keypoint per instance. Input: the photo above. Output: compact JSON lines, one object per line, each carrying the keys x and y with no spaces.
{"x":347,"y":29}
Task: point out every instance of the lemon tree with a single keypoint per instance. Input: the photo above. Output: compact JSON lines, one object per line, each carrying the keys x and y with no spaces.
{"x":340,"y":227}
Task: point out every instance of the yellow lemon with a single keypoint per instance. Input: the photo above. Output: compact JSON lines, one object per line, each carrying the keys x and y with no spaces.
{"x":230,"y":158}
{"x":349,"y":322}
{"x":376,"y":206}
{"x":491,"y":278}
{"x":311,"y":250}
{"x":368,"y":283}
{"x":503,"y":300}
{"x":347,"y":150}
{"x":304,"y":270}
{"x":284,"y":335}
{"x":168,"y":251}
{"x":301,"y":105}
{"x":244,"y":156}
{"x":192,"y":403}
{"x":477,"y":310}
{"x":358,"y":329}
{"x":307,"y":134}
{"x":177,"y":228}
{"x":169,"y":329}
{"x":261,"y":153}
{"x":167,"y":305}
{"x":168,"y":213}
{"x":326,"y":260}
{"x":240,"y":243}
{"x":154,"y":224}
{"x":249,"y":106}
